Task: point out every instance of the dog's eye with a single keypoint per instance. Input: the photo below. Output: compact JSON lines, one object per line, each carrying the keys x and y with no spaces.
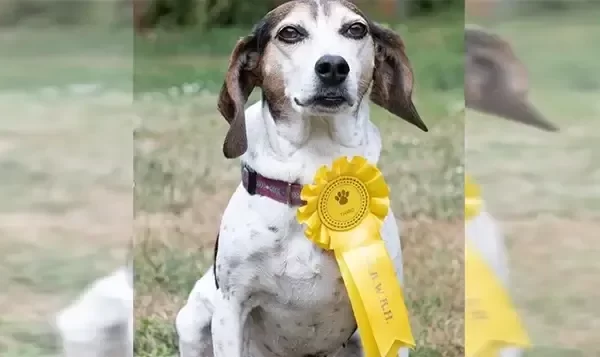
{"x":357,"y":30}
{"x":289,"y":34}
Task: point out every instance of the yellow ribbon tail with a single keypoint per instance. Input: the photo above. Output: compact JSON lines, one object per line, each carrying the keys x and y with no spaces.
{"x":492,"y":323}
{"x":378,"y":305}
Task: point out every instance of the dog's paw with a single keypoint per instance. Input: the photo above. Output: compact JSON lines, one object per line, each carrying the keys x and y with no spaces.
{"x":342,"y":197}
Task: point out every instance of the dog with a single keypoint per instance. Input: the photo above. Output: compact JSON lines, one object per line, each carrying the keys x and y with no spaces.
{"x":496,"y":83}
{"x":99,"y":323}
{"x":271,"y":291}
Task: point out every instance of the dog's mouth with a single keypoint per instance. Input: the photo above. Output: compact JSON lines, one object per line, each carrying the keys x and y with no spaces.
{"x":328,"y":102}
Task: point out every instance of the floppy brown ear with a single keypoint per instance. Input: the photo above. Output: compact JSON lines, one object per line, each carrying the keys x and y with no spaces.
{"x":496,"y":81}
{"x":393,"y":77}
{"x":241,"y":78}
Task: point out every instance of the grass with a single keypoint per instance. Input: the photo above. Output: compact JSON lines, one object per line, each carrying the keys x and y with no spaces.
{"x":67,"y":164}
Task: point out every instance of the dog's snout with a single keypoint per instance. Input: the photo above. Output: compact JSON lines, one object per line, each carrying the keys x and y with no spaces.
{"x":332,"y":70}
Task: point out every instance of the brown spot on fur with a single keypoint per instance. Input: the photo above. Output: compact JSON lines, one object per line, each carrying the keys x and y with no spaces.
{"x":273,"y":89}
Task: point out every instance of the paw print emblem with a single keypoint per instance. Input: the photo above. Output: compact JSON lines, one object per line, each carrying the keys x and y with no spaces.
{"x":342,"y":197}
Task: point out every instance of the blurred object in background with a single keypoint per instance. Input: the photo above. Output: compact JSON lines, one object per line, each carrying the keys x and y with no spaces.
{"x":45,"y":13}
{"x":482,"y":8}
{"x":206,"y":14}
{"x":542,"y":188}
{"x":139,"y":8}
{"x":170,"y":14}
{"x":235,"y":13}
{"x":496,"y":80}
{"x":488,"y":11}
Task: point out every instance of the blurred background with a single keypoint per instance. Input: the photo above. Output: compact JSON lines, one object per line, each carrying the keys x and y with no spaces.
{"x":66,"y":160}
{"x":78,"y":77}
{"x":543,"y":187}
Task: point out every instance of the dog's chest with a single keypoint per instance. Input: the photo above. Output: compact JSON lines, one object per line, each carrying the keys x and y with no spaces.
{"x":304,"y":309}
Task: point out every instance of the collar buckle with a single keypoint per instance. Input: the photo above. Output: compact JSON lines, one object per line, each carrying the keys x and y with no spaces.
{"x":288,"y":193}
{"x":251,"y":176}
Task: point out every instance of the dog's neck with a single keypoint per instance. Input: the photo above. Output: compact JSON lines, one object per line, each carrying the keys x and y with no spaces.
{"x":289,"y":134}
{"x":292,"y":148}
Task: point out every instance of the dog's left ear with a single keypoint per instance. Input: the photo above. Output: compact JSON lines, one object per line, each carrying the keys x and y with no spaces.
{"x":242,"y":76}
{"x":393,"y":76}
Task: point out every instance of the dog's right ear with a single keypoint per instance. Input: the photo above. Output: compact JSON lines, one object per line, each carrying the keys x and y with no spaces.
{"x":393,"y":76}
{"x":241,"y":78}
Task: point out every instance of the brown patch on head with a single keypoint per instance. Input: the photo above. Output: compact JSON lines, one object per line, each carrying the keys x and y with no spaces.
{"x":273,"y":88}
{"x":393,"y":77}
{"x":243,"y":75}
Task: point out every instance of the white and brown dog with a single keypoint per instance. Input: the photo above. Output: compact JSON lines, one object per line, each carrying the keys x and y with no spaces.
{"x":496,"y":83}
{"x":272,"y":292}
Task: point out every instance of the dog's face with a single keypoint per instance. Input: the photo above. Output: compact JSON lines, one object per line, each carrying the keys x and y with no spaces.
{"x":324,"y":55}
{"x":316,"y":58}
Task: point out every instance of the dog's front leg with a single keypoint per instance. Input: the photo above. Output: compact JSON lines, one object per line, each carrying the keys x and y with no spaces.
{"x":227,"y":326}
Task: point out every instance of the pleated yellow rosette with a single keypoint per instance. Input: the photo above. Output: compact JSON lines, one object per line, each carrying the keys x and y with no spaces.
{"x":344,"y":211}
{"x":492,"y":323}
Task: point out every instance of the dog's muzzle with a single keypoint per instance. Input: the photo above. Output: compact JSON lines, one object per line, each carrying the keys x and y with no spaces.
{"x":331,"y":72}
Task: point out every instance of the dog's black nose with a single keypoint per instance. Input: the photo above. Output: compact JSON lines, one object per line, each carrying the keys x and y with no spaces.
{"x":332,"y":70}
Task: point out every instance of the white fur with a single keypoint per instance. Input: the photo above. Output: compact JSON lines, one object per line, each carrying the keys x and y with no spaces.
{"x":100,"y":322}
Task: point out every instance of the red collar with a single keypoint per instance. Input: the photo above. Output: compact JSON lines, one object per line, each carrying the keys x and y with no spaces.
{"x":280,"y":191}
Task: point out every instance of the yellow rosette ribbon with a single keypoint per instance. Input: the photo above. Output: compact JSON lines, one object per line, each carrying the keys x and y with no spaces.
{"x":344,"y":211}
{"x":492,"y":323}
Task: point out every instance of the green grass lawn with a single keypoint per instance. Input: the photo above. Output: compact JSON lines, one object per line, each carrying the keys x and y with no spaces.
{"x":67,"y":164}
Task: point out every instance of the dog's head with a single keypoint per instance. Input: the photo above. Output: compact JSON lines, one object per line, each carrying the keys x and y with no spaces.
{"x":496,"y":80}
{"x":316,"y":58}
